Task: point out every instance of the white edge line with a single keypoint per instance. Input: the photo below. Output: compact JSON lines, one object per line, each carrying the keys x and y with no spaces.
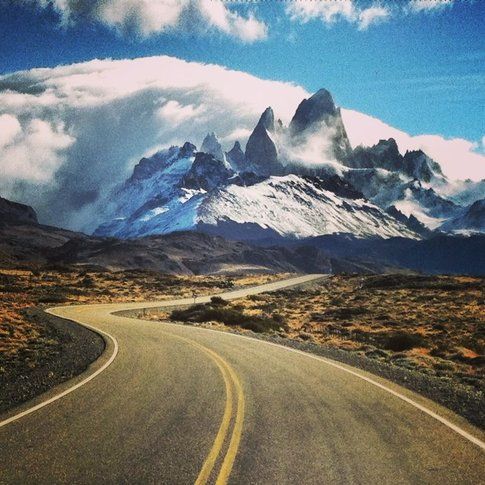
{"x":105,"y":335}
{"x":404,"y":398}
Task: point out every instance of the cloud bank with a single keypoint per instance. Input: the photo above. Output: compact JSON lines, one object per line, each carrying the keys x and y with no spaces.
{"x":68,"y":134}
{"x":148,"y":17}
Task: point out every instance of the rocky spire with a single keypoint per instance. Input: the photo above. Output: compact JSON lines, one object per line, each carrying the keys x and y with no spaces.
{"x":419,"y":166}
{"x":319,"y":115}
{"x":267,"y":120}
{"x":261,"y":151}
{"x":319,"y":107}
{"x":187,"y":150}
{"x":212,"y":146}
{"x":236,"y":157}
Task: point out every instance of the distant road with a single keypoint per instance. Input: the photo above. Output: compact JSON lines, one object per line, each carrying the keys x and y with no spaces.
{"x":173,"y":404}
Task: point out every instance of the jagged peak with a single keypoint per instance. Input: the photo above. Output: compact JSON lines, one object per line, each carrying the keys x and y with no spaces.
{"x":388,"y":142}
{"x":237,"y":146}
{"x":212,"y":146}
{"x":211,"y":137}
{"x":267,"y":119}
{"x":188,"y":149}
{"x":415,"y":153}
{"x":236,"y":157}
{"x":322,"y":97}
{"x":317,"y":108}
{"x":207,"y":172}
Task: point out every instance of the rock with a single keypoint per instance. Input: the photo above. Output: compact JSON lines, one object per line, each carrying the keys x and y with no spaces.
{"x":206,"y":173}
{"x":421,"y":167}
{"x":13,"y":212}
{"x":159,"y":161}
{"x":187,"y":150}
{"x":318,"y":115}
{"x":212,"y":146}
{"x":236,"y":158}
{"x":261,"y":151}
{"x":385,"y":154}
{"x":472,"y":218}
{"x":411,"y":222}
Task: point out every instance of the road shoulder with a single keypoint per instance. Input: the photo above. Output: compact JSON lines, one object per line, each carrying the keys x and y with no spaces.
{"x":77,"y":349}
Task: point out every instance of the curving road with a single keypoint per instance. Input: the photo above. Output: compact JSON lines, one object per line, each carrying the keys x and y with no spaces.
{"x":179,"y":404}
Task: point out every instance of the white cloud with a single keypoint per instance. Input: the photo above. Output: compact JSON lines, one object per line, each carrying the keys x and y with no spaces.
{"x":74,"y":131}
{"x":418,"y":6}
{"x":328,"y":12}
{"x":458,"y":157}
{"x":115,"y":112}
{"x":331,"y":12}
{"x":148,"y":17}
{"x":31,"y":153}
{"x":372,"y":15}
{"x":174,"y":112}
{"x":359,"y":13}
{"x":9,"y":129}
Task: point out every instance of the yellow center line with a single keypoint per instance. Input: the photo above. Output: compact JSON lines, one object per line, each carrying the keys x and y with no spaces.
{"x":223,"y":429}
{"x":230,"y":377}
{"x":228,"y":462}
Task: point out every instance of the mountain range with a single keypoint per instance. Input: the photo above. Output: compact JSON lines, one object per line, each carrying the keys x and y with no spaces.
{"x":26,"y":244}
{"x":293,"y":182}
{"x":298,"y":198}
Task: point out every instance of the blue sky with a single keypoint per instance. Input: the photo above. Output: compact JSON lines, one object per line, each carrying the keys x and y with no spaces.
{"x":421,"y":71}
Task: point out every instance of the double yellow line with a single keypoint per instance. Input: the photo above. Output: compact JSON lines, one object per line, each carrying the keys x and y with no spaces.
{"x":234,"y":395}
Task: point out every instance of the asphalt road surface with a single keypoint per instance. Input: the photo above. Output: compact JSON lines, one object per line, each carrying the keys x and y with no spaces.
{"x":174,"y":404}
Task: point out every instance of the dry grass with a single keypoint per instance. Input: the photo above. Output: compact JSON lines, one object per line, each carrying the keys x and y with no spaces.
{"x":21,"y":338}
{"x":433,"y":325}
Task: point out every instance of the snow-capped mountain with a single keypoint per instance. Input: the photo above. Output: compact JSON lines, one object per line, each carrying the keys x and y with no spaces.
{"x":298,"y":181}
{"x":471,"y":219}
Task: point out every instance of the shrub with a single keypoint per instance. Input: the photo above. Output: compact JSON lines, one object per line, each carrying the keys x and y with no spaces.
{"x":52,"y":298}
{"x":218,"y":301}
{"x":228,"y":316}
{"x":400,"y":341}
{"x":87,"y":282}
{"x":344,"y":313}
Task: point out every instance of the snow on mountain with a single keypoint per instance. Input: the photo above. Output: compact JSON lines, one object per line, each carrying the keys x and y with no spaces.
{"x":298,"y":206}
{"x":471,"y":219}
{"x":297,"y":181}
{"x":463,"y":192}
{"x":288,"y":206}
{"x":150,"y":191}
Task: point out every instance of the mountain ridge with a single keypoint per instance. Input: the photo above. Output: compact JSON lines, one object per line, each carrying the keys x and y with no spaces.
{"x":181,"y":188}
{"x":26,"y":244}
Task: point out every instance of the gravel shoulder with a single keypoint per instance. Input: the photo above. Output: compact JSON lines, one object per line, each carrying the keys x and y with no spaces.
{"x":73,"y":349}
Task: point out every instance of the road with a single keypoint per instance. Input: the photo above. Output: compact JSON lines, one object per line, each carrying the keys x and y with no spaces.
{"x":174,"y":404}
